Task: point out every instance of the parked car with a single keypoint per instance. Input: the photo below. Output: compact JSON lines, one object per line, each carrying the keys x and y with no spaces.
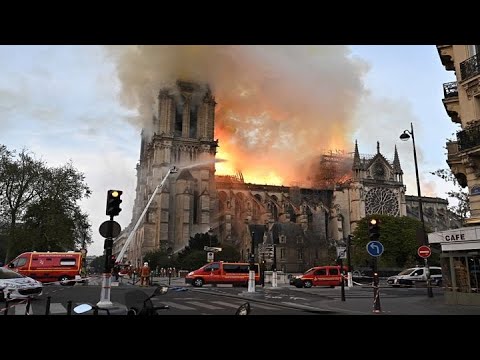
{"x":410,"y":276}
{"x":18,"y":286}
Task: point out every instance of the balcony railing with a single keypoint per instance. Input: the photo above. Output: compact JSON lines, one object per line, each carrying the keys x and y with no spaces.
{"x":470,"y":67}
{"x":469,"y":138}
{"x":450,"y":90}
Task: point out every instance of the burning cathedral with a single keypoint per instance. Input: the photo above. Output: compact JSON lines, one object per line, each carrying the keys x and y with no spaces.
{"x":303,"y":222}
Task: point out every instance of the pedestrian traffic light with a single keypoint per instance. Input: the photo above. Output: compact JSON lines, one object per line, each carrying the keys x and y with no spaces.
{"x":113,"y":202}
{"x":374,"y":229}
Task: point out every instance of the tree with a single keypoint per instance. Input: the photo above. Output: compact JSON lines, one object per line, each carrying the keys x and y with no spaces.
{"x":98,"y":264}
{"x":398,"y":235}
{"x":38,"y":204}
{"x":462,"y":209}
{"x":21,"y":184}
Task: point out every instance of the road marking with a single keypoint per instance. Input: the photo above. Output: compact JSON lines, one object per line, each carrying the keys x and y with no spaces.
{"x":255,"y":305}
{"x":206,"y":306}
{"x":20,"y":309}
{"x":57,"y":309}
{"x":177,"y":306}
{"x":223,"y":303}
{"x":300,"y":306}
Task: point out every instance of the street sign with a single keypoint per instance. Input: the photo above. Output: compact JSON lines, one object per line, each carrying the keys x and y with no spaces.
{"x":214,"y":249}
{"x":424,"y":251}
{"x":375,"y":248}
{"x":210,"y":256}
{"x":341,"y":252}
{"x":115,"y":228}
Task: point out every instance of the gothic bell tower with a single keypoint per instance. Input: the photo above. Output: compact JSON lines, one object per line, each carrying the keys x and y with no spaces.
{"x":183,"y":131}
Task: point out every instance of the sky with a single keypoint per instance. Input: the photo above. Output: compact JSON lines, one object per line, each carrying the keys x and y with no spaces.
{"x":282,"y":104}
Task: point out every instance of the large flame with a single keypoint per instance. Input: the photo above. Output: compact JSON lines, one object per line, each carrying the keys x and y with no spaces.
{"x":278,"y":106}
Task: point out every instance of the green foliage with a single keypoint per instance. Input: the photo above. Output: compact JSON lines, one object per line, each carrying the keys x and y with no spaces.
{"x":462,"y":209}
{"x":159,"y":258}
{"x":38,"y":205}
{"x":97,"y":265}
{"x":398,"y":236}
{"x":193,"y":256}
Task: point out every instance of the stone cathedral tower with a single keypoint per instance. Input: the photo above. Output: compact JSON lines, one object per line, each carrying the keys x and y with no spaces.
{"x":182,"y":136}
{"x":376,"y":188}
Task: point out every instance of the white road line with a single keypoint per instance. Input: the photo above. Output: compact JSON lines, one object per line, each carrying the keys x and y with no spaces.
{"x":177,"y":306}
{"x":223,"y":303}
{"x":300,"y":306}
{"x":206,"y":306}
{"x":57,"y":309}
{"x":266,"y":307}
{"x":20,"y":309}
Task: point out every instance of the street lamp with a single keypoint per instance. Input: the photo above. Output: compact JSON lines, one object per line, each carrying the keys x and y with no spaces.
{"x":405,"y":136}
{"x":251,"y":274}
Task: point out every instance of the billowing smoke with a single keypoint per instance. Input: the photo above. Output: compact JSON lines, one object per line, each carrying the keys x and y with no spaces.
{"x":278,"y":106}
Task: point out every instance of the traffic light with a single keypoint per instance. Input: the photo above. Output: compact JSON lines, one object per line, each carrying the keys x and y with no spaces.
{"x":113,"y":259}
{"x":374,"y":229}
{"x":113,"y":202}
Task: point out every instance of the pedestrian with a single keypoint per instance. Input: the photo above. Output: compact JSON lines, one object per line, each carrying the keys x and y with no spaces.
{"x":145,"y":274}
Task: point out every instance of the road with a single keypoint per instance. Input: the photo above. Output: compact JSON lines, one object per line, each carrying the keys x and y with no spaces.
{"x":189,"y":302}
{"x":285,"y":300}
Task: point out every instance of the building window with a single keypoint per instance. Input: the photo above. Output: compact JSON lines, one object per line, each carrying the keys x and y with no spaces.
{"x":283,"y":239}
{"x":283,"y":253}
{"x":193,"y":121}
{"x":300,"y":254}
{"x":179,"y":118}
{"x":196,"y":206}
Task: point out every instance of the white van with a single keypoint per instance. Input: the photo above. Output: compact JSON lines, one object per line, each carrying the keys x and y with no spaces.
{"x":408,"y":277}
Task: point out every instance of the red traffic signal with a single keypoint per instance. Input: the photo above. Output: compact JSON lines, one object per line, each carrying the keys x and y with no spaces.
{"x":113,"y":202}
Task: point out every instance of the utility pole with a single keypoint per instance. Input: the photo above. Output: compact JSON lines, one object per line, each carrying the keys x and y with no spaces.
{"x":349,"y":262}
{"x":274,"y":266}
{"x":251,"y":274}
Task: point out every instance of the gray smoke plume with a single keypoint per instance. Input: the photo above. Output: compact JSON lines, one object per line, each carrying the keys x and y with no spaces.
{"x":277,"y":105}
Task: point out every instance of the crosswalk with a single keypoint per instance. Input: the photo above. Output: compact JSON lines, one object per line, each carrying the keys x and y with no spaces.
{"x":191,"y":305}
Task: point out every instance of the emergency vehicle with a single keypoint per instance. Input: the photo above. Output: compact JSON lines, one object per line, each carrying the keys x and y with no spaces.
{"x":220,"y":272}
{"x":49,"y":266}
{"x":320,"y":276}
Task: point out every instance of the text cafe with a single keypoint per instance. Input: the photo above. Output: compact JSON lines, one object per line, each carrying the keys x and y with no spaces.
{"x":460,"y":261}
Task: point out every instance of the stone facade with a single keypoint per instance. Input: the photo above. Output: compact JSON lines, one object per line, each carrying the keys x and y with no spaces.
{"x":462,"y":104}
{"x":304,"y":223}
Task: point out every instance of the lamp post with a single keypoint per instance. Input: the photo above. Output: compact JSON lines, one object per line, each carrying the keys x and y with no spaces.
{"x":251,"y":273}
{"x":405,"y":136}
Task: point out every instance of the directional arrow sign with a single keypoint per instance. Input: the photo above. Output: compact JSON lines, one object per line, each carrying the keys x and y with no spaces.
{"x":375,"y":248}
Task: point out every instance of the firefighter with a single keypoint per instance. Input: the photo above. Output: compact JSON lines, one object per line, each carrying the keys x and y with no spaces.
{"x":145,"y":274}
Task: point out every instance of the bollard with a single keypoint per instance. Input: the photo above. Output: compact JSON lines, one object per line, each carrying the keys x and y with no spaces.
{"x":151,"y":279}
{"x":133,"y":278}
{"x":27,"y":308}
{"x":47,"y":306}
{"x":169,"y":277}
{"x":69,"y":307}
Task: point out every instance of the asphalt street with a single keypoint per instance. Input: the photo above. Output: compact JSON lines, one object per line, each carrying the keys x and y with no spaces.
{"x":184,"y":299}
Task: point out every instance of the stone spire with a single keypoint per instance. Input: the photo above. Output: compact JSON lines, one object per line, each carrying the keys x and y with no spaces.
{"x":357,"y":165}
{"x":396,"y":163}
{"x":378,"y":147}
